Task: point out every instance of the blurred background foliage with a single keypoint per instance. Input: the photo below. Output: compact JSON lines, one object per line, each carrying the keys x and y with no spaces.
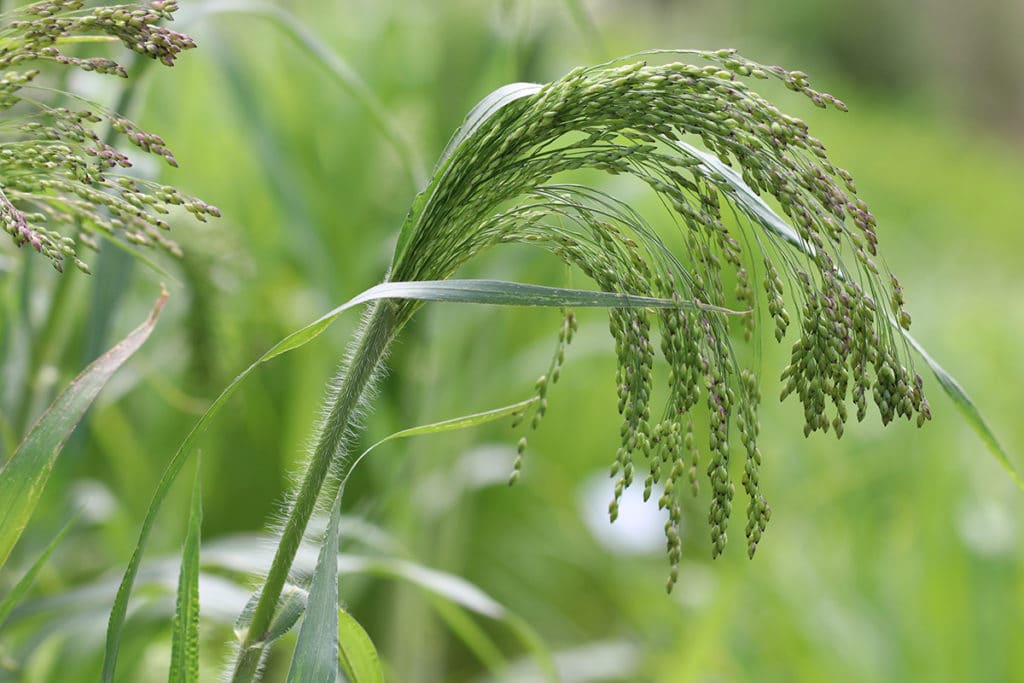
{"x":893,"y":554}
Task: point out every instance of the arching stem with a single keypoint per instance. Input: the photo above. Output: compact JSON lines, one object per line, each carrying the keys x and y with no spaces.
{"x":371,"y":348}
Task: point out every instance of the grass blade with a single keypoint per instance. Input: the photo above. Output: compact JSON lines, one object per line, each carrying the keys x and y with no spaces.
{"x":305,"y":660}
{"x":970,"y":411}
{"x":473,"y":636}
{"x":16,"y":594}
{"x":479,"y":114}
{"x":185,"y":628}
{"x":458,"y":593}
{"x":23,"y":477}
{"x":316,"y":651}
{"x":357,"y":656}
{"x":748,"y":200}
{"x":465,"y":291}
{"x":451,"y":425}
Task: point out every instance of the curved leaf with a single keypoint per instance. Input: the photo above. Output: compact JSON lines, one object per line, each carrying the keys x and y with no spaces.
{"x":185,"y":628}
{"x":451,"y":425}
{"x":478,"y":115}
{"x":970,"y":411}
{"x":357,"y":656}
{"x":485,"y":109}
{"x":459,"y":592}
{"x":15,"y":595}
{"x":316,"y":651}
{"x":24,"y":476}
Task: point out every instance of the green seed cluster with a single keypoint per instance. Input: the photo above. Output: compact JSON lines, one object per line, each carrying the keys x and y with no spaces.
{"x":841,"y":345}
{"x":509,"y":180}
{"x":565,"y":335}
{"x":37,"y":28}
{"x":56,"y":169}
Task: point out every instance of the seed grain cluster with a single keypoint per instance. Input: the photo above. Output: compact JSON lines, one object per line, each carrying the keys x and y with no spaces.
{"x":56,"y":169}
{"x":508,"y":180}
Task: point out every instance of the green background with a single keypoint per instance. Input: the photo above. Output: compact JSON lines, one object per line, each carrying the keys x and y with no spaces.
{"x":894,"y":554}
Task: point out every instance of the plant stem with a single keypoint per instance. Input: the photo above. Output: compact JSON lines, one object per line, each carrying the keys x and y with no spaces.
{"x":371,"y":348}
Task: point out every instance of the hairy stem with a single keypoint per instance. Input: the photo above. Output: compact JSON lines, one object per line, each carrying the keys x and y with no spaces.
{"x":370,"y":351}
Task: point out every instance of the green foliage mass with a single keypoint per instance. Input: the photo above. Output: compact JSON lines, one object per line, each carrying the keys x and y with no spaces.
{"x":893,"y":555}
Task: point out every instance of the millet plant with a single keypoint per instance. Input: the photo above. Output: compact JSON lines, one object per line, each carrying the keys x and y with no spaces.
{"x":760,"y":228}
{"x":67,"y":186}
{"x":502,"y":180}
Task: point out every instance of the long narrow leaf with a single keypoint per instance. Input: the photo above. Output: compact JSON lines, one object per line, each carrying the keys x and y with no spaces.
{"x":185,"y":629}
{"x":456,"y":591}
{"x":16,"y":594}
{"x":314,"y":647}
{"x":316,"y":651}
{"x":471,"y":634}
{"x":464,"y":291}
{"x":453,"y":424}
{"x":357,"y":656}
{"x":970,"y":411}
{"x":23,"y":478}
{"x":746,"y":198}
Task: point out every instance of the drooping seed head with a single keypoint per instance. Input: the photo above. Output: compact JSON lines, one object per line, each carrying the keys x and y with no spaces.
{"x":709,"y":148}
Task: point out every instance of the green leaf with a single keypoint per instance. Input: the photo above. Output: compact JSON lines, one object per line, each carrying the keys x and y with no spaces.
{"x":16,"y":594}
{"x":451,"y":425}
{"x":316,"y":651}
{"x":185,"y":628}
{"x":459,"y":592}
{"x":23,"y":478}
{"x":459,"y":291}
{"x":479,"y":114}
{"x":745,"y":198}
{"x":358,"y":651}
{"x":967,"y":408}
{"x":475,"y":638}
{"x":357,"y":656}
{"x":470,"y":633}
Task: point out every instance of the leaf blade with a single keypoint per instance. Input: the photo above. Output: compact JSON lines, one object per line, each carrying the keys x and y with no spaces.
{"x":185,"y":627}
{"x":484,"y":110}
{"x":969,"y":410}
{"x":24,"y":476}
{"x":357,"y":655}
{"x":19,"y":590}
{"x":316,"y":650}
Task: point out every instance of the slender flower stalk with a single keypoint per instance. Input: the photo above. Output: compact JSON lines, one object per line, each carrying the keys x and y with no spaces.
{"x":713,"y":151}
